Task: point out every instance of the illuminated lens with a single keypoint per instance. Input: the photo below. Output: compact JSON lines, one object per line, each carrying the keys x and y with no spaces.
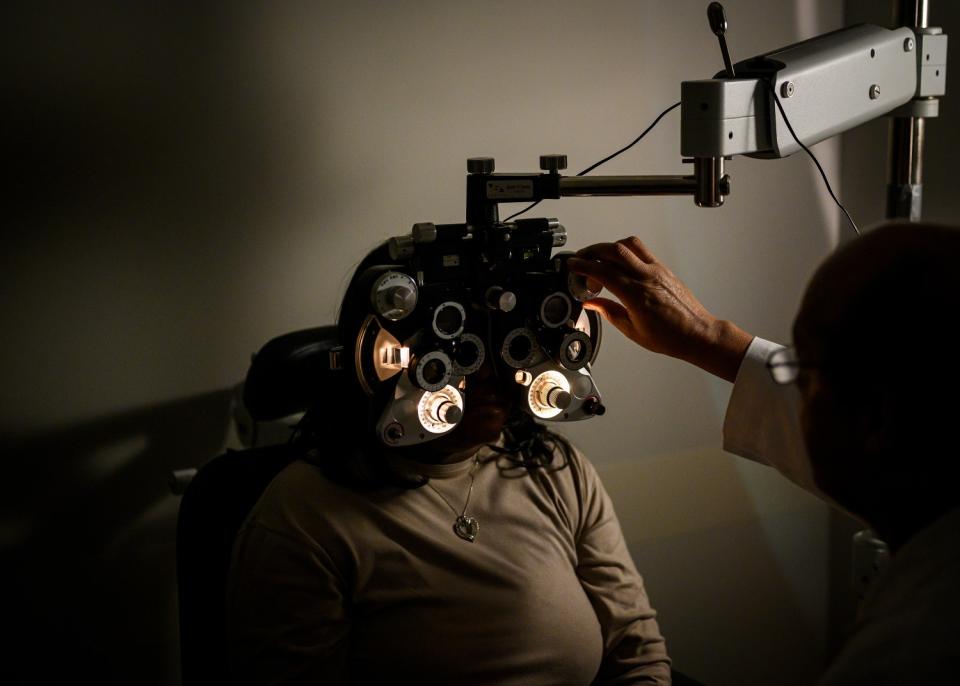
{"x":549,"y":395}
{"x":439,"y":411}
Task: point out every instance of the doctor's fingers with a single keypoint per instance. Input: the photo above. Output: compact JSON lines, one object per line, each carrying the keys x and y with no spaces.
{"x":629,"y":251}
{"x":603,"y":262}
{"x":609,"y":275}
{"x":613,"y":312}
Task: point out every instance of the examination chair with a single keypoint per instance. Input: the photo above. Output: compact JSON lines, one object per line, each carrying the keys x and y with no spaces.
{"x":285,"y":377}
{"x":213,"y":508}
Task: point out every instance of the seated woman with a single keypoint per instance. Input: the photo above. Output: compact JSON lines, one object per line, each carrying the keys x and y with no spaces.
{"x":490,"y":555}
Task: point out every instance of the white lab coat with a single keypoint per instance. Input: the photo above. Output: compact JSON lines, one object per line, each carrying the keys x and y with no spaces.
{"x":762,"y":422}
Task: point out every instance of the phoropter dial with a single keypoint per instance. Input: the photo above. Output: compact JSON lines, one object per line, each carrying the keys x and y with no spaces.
{"x":519,"y":348}
{"x":469,"y":355}
{"x":579,"y":287}
{"x":394,"y":295}
{"x":576,"y":350}
{"x":439,"y":411}
{"x":433,"y":371}
{"x":555,"y":310}
{"x":448,"y":320}
{"x":549,"y":395}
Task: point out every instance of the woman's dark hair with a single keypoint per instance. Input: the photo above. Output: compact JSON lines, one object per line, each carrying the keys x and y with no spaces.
{"x":348,"y":411}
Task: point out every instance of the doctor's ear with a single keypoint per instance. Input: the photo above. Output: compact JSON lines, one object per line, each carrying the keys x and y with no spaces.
{"x":876,"y":421}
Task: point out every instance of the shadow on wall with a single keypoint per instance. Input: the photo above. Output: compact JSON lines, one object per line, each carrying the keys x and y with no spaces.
{"x":159,"y":169}
{"x":149,"y":170}
{"x":87,"y":540}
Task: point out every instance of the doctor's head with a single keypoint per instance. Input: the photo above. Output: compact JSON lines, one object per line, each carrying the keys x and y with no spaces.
{"x":879,"y":375}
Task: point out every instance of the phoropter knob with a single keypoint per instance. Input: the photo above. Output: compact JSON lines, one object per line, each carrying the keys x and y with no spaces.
{"x":480,"y":165}
{"x":500,"y":299}
{"x":424,"y":232}
{"x":593,"y":406}
{"x":401,"y":247}
{"x":441,"y":410}
{"x":549,"y":395}
{"x":448,"y":412}
{"x":553,"y":163}
{"x":558,"y":398}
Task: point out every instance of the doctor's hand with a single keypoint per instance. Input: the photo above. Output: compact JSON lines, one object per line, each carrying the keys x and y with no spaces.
{"x":656,"y":310}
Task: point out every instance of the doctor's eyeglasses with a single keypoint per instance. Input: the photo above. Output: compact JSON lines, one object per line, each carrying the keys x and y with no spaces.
{"x":784,"y":366}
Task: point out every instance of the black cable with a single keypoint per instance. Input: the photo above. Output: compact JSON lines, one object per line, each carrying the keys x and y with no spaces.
{"x":823,"y":174}
{"x":525,"y":209}
{"x":635,"y":140}
{"x":656,"y":121}
{"x":607,"y":158}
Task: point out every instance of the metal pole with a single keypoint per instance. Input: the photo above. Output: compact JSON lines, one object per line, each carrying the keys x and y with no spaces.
{"x":905,"y":180}
{"x":627,"y":185}
{"x":708,"y":184}
{"x":710,"y":181}
{"x":912,"y":13}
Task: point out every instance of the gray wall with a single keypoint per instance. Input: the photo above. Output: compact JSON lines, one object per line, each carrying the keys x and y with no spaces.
{"x":192,"y":182}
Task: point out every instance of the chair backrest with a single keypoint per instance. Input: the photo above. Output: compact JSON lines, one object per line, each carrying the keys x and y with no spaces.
{"x":212,"y":510}
{"x":289,"y":374}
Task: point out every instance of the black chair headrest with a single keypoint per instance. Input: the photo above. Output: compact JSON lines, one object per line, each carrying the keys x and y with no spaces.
{"x":292,"y":372}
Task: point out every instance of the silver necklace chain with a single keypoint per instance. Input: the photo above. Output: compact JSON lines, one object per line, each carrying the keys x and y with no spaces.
{"x":463,"y":526}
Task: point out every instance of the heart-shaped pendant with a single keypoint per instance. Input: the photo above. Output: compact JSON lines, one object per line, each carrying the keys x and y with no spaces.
{"x":466,"y":528}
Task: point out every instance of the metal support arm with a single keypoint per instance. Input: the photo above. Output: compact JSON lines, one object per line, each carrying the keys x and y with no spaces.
{"x":486,"y":190}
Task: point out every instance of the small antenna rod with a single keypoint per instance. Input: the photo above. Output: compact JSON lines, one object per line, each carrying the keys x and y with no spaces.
{"x":718,"y":24}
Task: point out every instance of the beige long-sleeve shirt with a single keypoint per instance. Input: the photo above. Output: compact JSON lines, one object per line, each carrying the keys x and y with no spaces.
{"x":333,"y":586}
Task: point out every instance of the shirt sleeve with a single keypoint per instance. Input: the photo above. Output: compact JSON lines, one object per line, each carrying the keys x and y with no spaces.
{"x":763,"y":420}
{"x":634,"y":652}
{"x":286,"y":616}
